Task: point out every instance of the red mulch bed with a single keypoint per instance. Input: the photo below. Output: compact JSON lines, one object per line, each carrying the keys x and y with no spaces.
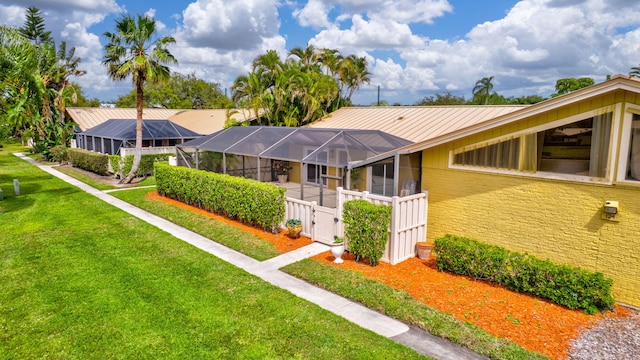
{"x":535,"y":324}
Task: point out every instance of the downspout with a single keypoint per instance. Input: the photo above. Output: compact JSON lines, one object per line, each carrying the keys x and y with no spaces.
{"x":259,"y":169}
{"x":303,"y":178}
{"x":348,"y":180}
{"x":224,"y":162}
{"x":396,"y":173}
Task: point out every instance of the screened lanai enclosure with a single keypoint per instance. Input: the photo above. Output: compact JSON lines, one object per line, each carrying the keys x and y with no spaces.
{"x":114,"y":136}
{"x":303,"y":159}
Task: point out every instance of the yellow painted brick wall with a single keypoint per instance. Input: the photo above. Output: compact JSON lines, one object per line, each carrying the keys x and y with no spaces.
{"x":295,"y":172}
{"x":550,"y":219}
{"x":555,"y":220}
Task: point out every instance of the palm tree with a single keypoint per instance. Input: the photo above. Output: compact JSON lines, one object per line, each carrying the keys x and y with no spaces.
{"x":635,"y":71}
{"x":351,"y":74}
{"x":69,"y":67}
{"x":483,"y":88}
{"x":358,"y":76}
{"x":127,"y":54}
{"x":330,"y":59}
{"x":309,"y":57}
{"x":251,"y":91}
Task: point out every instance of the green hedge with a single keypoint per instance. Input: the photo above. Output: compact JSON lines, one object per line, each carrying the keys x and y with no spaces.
{"x":122,"y":167}
{"x":366,"y":228}
{"x":89,"y":160}
{"x":261,"y":204}
{"x":569,"y":286}
{"x":59,"y":153}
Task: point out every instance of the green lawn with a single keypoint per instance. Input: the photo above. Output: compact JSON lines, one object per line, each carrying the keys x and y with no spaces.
{"x":380,"y":297}
{"x":227,"y":235}
{"x":83,"y":280}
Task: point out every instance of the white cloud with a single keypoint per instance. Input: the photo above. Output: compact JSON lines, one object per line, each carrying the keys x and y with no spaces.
{"x":411,"y":11}
{"x":534,"y":45}
{"x":527,"y":50}
{"x":377,"y":33}
{"x":314,"y":14}
{"x":229,"y":24}
{"x":60,"y":6}
{"x":12,"y":15}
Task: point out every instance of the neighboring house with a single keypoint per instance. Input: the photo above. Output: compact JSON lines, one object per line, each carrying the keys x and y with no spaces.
{"x":90,"y":132}
{"x":208,"y":121}
{"x":118,"y":136}
{"x":86,"y":118}
{"x":559,"y":180}
{"x":203,"y":122}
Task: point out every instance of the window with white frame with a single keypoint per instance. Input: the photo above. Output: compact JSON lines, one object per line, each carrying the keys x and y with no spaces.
{"x":576,"y":148}
{"x":633,"y":155}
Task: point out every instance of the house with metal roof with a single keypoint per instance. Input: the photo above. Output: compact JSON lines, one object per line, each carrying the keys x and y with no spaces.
{"x":208,"y":121}
{"x":87,"y":118}
{"x":107,"y":129}
{"x":115,"y":136}
{"x":203,"y":122}
{"x":390,"y":175}
{"x":559,"y":179}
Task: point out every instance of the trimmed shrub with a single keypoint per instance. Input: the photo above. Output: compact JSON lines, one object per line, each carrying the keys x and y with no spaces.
{"x":88,"y":160}
{"x":569,"y":286}
{"x":251,"y":201}
{"x":121,"y":167}
{"x":59,"y":153}
{"x":366,"y":228}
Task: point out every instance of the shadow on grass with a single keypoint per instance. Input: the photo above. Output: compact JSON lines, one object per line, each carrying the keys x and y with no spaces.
{"x":15,"y":203}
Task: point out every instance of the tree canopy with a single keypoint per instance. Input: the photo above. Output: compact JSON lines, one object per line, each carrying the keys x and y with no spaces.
{"x":308,"y":84}
{"x":567,"y":85}
{"x":179,"y":92}
{"x":34,"y":76}
{"x":34,"y":28}
{"x":442,"y":99}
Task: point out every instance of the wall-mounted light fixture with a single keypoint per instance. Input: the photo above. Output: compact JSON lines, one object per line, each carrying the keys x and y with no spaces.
{"x":610,"y":210}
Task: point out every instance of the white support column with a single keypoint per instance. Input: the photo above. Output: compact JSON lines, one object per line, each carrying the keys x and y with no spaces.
{"x":396,"y":173}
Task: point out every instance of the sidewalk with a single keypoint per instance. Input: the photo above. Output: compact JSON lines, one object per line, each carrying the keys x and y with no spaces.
{"x":268,"y":271}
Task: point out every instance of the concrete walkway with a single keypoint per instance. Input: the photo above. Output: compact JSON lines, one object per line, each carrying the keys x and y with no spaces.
{"x":414,"y":338}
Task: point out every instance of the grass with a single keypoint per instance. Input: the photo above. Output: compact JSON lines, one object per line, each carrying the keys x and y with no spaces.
{"x":377,"y":296}
{"x":400,"y":305}
{"x":227,"y":235}
{"x":81,"y":279}
{"x":100,"y":185}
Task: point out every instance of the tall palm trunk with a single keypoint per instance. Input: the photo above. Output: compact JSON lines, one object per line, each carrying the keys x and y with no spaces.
{"x":137,"y":153}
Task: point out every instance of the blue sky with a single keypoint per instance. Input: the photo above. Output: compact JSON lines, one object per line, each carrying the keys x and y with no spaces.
{"x":414,"y":48}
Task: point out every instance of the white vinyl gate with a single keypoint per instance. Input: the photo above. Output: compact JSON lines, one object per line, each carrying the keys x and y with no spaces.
{"x":408,"y":220}
{"x":325,"y":224}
